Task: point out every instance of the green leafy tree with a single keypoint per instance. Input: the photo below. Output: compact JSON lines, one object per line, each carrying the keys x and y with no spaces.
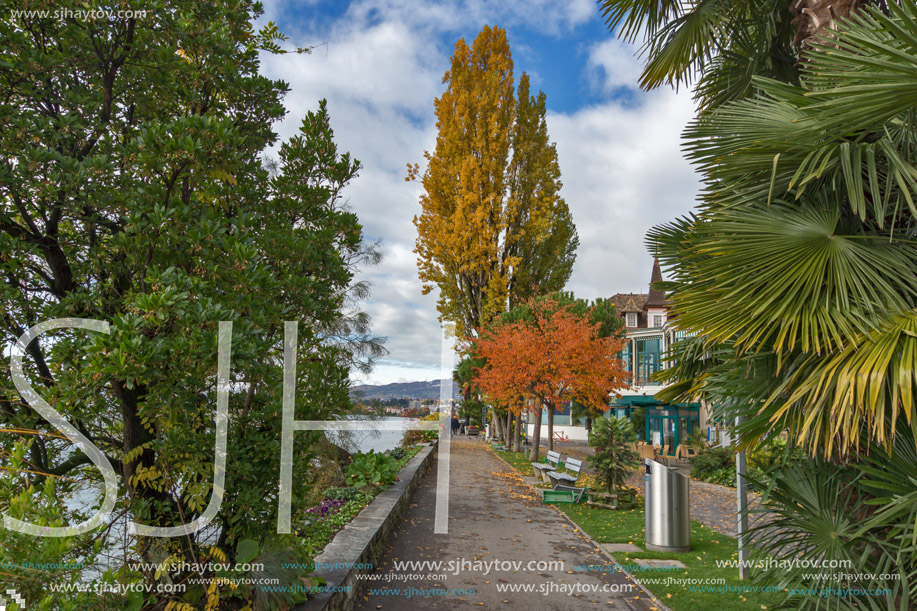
{"x":133,"y":191}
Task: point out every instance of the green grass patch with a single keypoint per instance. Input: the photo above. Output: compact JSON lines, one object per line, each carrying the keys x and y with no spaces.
{"x":518,"y":461}
{"x":707,"y":546}
{"x":609,"y":526}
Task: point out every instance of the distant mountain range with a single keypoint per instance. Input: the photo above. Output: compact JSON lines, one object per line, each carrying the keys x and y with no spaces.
{"x":402,"y":390}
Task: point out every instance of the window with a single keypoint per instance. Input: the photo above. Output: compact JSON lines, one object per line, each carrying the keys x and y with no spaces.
{"x":658,"y":320}
{"x":631,"y":319}
{"x":625,"y":356}
{"x":649,"y":352}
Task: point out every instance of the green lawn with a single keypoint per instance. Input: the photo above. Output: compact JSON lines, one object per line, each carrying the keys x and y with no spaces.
{"x":519,"y":461}
{"x":707,"y":546}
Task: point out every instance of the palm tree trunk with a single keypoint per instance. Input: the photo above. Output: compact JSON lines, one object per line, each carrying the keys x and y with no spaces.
{"x":815,"y":17}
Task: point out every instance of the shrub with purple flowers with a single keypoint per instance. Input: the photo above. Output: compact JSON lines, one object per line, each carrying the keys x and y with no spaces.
{"x":327,"y":506}
{"x":317,"y":525}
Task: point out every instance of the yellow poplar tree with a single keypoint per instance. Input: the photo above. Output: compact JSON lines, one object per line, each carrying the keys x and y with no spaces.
{"x":493,"y":229}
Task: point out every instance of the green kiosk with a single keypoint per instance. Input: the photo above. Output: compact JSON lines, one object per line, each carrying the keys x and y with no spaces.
{"x":665,"y":424}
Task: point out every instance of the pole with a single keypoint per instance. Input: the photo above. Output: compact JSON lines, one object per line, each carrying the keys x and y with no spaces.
{"x":742,"y":514}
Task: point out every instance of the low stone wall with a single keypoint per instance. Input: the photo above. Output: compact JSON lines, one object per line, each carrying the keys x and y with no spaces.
{"x":360,"y":542}
{"x":573,"y":433}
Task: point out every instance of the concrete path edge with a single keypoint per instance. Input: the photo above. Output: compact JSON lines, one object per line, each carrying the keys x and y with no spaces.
{"x":360,"y":542}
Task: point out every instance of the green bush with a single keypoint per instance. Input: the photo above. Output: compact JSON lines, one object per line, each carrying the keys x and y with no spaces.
{"x":718,"y":465}
{"x":346,"y":493}
{"x":697,"y":439}
{"x":638,"y":418}
{"x":715,"y":465}
{"x":414,"y":437}
{"x":397,"y":453}
{"x":371,"y":470}
{"x":768,"y":456}
{"x":613,"y":457}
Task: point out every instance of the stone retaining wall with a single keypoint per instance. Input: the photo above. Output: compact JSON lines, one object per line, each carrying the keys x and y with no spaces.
{"x":361,"y":541}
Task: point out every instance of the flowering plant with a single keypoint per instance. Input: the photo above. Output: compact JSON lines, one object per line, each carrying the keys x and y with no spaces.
{"x":326,"y":507}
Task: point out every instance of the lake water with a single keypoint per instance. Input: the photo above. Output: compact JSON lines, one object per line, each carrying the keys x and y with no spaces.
{"x":364,"y":441}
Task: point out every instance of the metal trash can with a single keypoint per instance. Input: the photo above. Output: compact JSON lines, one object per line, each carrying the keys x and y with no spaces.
{"x":668,"y":513}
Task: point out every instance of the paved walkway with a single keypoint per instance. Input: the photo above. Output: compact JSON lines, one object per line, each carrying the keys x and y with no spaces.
{"x":712,"y":505}
{"x":494,"y":516}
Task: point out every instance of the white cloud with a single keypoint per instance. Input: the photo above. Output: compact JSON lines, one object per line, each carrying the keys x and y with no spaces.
{"x":380,"y":71}
{"x":613,"y":64}
{"x":623,"y":173}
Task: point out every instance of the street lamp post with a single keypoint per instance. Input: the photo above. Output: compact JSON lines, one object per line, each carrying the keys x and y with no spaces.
{"x":742,"y":515}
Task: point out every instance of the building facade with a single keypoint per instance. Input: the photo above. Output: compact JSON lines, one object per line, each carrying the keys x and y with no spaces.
{"x":645,"y":320}
{"x":649,"y":335}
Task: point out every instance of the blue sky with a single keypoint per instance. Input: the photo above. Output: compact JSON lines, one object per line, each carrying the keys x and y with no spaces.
{"x":379,"y":63}
{"x":555,"y":57}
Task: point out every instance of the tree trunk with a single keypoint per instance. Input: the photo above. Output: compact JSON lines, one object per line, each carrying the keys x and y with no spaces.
{"x":612,"y":484}
{"x":508,"y":430}
{"x":498,"y":426}
{"x":550,"y":428}
{"x":588,"y":425}
{"x":536,"y":435}
{"x":814,"y":17}
{"x":162,"y":508}
{"x":517,"y":433}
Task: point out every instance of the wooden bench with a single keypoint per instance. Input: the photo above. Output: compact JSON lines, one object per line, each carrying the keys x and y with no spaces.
{"x":549,"y":465}
{"x":572,"y":468}
{"x":623,"y":498}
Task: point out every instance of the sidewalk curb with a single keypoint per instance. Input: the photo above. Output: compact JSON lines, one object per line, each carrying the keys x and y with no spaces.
{"x":653,"y":598}
{"x":360,"y":542}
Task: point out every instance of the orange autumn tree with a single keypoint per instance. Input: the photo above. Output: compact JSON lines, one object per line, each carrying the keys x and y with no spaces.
{"x":554,"y":355}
